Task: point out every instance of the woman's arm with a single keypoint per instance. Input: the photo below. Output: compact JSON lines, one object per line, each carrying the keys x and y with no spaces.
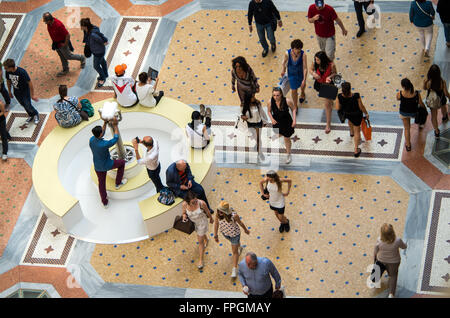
{"x":206,"y":210}
{"x":333,"y":72}
{"x":269,"y":112}
{"x":398,"y":95}
{"x":2,"y":108}
{"x":205,"y":133}
{"x":238,"y":221}
{"x":362,"y":108}
{"x":263,"y":181}
{"x":284,"y":65}
{"x":289,"y":182}
{"x":183,"y":210}
{"x":294,"y":111}
{"x":337,"y":104}
{"x":445,"y":88}
{"x":216,"y":227}
{"x":420,"y":100}
{"x":305,"y":69}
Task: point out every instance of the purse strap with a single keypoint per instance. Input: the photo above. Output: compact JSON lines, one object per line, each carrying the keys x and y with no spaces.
{"x":427,"y":14}
{"x":74,"y":106}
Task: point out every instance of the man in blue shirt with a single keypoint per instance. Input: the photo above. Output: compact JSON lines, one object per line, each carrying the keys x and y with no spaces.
{"x":254,"y":275}
{"x":18,"y":78}
{"x":103,"y":161}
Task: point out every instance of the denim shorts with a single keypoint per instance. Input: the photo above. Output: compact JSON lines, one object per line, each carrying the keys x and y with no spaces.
{"x":235,"y":240}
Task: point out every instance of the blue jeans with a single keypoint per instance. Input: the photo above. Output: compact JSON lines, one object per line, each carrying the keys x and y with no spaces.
{"x":4,"y":134}
{"x":25,"y":101}
{"x":156,"y":179}
{"x":262,"y":29}
{"x":101,"y":67}
{"x":447,"y":31}
{"x":5,"y":93}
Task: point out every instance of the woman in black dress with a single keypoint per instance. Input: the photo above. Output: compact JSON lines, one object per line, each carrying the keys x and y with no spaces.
{"x":352,"y":107}
{"x":278,"y":110}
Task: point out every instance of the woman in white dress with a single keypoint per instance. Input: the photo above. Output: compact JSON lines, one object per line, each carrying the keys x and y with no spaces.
{"x":197,"y":211}
{"x":273,"y":192}
{"x":146,"y":91}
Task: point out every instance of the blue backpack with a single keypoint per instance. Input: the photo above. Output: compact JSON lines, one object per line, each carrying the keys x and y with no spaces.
{"x":166,"y":196}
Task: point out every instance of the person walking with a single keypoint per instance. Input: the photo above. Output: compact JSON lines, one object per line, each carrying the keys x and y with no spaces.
{"x":322,"y":70}
{"x":180,"y":180}
{"x":197,"y":211}
{"x":61,"y":43}
{"x":5,"y":136}
{"x":150,"y":159}
{"x":387,"y":252}
{"x":421,"y":14}
{"x":435,"y":83}
{"x":254,"y":275}
{"x":228,"y":222}
{"x":97,"y":43}
{"x":351,"y":105}
{"x":246,"y":80}
{"x":359,"y":5}
{"x":278,"y":110}
{"x":266,"y":19}
{"x":295,"y":63}
{"x":443,"y":8}
{"x":409,"y":106}
{"x":253,"y":114}
{"x":19,"y":79}
{"x":3,"y":90}
{"x":68,"y":111}
{"x":103,"y":161}
{"x":272,"y":188}
{"x":323,"y":17}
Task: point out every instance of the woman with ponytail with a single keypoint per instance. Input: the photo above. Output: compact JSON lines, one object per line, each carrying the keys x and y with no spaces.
{"x":68,"y":111}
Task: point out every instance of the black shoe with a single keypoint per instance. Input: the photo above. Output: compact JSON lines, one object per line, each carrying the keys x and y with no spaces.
{"x":287,"y":227}
{"x":273,"y":47}
{"x":264,"y":53}
{"x":437,"y":134}
{"x":360,"y":32}
{"x":444,"y":119}
{"x":281,"y":228}
{"x":356,"y":155}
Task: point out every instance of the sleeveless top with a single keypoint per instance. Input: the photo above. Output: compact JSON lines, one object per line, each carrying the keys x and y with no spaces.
{"x":229,"y":229}
{"x":276,"y":198}
{"x":409,"y":105}
{"x":323,"y":76}
{"x":349,"y":104}
{"x":295,"y":69}
{"x":196,"y":136}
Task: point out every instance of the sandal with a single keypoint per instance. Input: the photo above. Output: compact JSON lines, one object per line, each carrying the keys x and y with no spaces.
{"x":444,"y":119}
{"x":408,"y":148}
{"x":437,"y":134}
{"x":356,"y":155}
{"x":327,"y":130}
{"x":302,"y":99}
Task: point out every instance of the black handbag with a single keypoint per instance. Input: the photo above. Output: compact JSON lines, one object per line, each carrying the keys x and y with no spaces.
{"x":87,"y":50}
{"x":328,"y":91}
{"x":341,"y":115}
{"x":265,"y":192}
{"x":184,"y":226}
{"x":421,"y":116}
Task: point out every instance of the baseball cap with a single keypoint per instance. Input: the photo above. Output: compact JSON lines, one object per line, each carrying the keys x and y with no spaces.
{"x":120,"y":69}
{"x":224,"y":207}
{"x":319,"y":3}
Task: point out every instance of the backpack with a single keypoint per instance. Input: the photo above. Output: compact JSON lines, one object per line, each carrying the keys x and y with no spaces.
{"x":433,"y":100}
{"x":166,"y":196}
{"x":87,"y":107}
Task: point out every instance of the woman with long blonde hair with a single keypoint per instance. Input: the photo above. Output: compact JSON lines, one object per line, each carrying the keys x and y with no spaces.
{"x":271,"y":187}
{"x":387,"y":252}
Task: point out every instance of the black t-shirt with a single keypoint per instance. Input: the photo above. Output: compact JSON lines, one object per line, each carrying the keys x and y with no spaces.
{"x":19,"y":81}
{"x":349,"y":104}
{"x":264,"y":12}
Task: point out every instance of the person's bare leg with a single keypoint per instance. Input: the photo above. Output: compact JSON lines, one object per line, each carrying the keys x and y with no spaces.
{"x":350,"y":128}
{"x":201,"y":249}
{"x":328,"y":110}
{"x":444,"y":111}
{"x":356,"y":137}
{"x":434,"y":119}
{"x":288,"y":143}
{"x":235,"y":251}
{"x":407,"y":126}
{"x":281,"y":217}
{"x":294,"y":93}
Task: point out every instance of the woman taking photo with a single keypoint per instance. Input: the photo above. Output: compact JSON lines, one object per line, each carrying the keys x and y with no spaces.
{"x":409,"y":106}
{"x":197,"y":211}
{"x":228,"y":221}
{"x":253,"y":114}
{"x":271,"y":187}
{"x":387,"y":252}
{"x":322,"y":70}
{"x":296,"y":64}
{"x":352,"y":107}
{"x":435,"y":83}
{"x":245,"y":77}
{"x":68,"y":111}
{"x":278,"y":110}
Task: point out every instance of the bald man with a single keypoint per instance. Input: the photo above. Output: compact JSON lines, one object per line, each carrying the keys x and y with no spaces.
{"x":180,"y":180}
{"x":150,"y":159}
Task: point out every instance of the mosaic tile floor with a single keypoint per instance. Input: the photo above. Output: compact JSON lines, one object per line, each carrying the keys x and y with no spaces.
{"x":197,"y":65}
{"x":334,"y":223}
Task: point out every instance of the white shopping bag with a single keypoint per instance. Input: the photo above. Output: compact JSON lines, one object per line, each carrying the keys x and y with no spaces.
{"x":374,"y":20}
{"x":284,"y":85}
{"x":241,"y":125}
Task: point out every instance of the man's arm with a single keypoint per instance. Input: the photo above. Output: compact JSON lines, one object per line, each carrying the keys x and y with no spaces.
{"x":250,"y":14}
{"x":341,"y":25}
{"x":189,"y":175}
{"x":275,"y":11}
{"x":30,"y":84}
{"x":8,"y":83}
{"x":171,"y":182}
{"x":276,"y":276}
{"x":241,"y":277}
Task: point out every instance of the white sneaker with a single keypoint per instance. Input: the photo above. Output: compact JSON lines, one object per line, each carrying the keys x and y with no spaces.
{"x":106,"y":205}
{"x":5,"y":157}
{"x":391,"y":296}
{"x":124,"y":181}
{"x":233,"y":272}
{"x":288,"y":159}
{"x":36,"y":120}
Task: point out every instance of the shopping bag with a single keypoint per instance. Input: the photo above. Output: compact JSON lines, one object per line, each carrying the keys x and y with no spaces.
{"x":241,"y":125}
{"x":184,"y":226}
{"x":366,"y":129}
{"x":284,"y":85}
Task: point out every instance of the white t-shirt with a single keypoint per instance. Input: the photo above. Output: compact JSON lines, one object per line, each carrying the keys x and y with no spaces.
{"x":151,"y":157}
{"x":256,"y":117}
{"x":145,"y":94}
{"x":196,"y":137}
{"x":276,"y":198}
{"x":123,"y":88}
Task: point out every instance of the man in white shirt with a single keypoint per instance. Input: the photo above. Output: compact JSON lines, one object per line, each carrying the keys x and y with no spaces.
{"x":123,"y":87}
{"x":150,"y":159}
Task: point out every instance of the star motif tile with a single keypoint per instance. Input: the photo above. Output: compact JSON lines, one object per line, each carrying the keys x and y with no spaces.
{"x":20,"y":131}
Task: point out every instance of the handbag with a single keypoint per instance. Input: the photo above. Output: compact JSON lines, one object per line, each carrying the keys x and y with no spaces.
{"x":421,"y":116}
{"x":87,"y":50}
{"x":166,"y":196}
{"x":341,"y":115}
{"x":366,"y":129}
{"x":265,"y":192}
{"x":328,"y":91}
{"x":284,"y":85}
{"x":184,"y":226}
{"x":241,"y":125}
{"x":382,"y":269}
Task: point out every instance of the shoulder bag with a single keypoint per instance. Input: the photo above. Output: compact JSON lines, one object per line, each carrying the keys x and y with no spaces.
{"x":184,"y":226}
